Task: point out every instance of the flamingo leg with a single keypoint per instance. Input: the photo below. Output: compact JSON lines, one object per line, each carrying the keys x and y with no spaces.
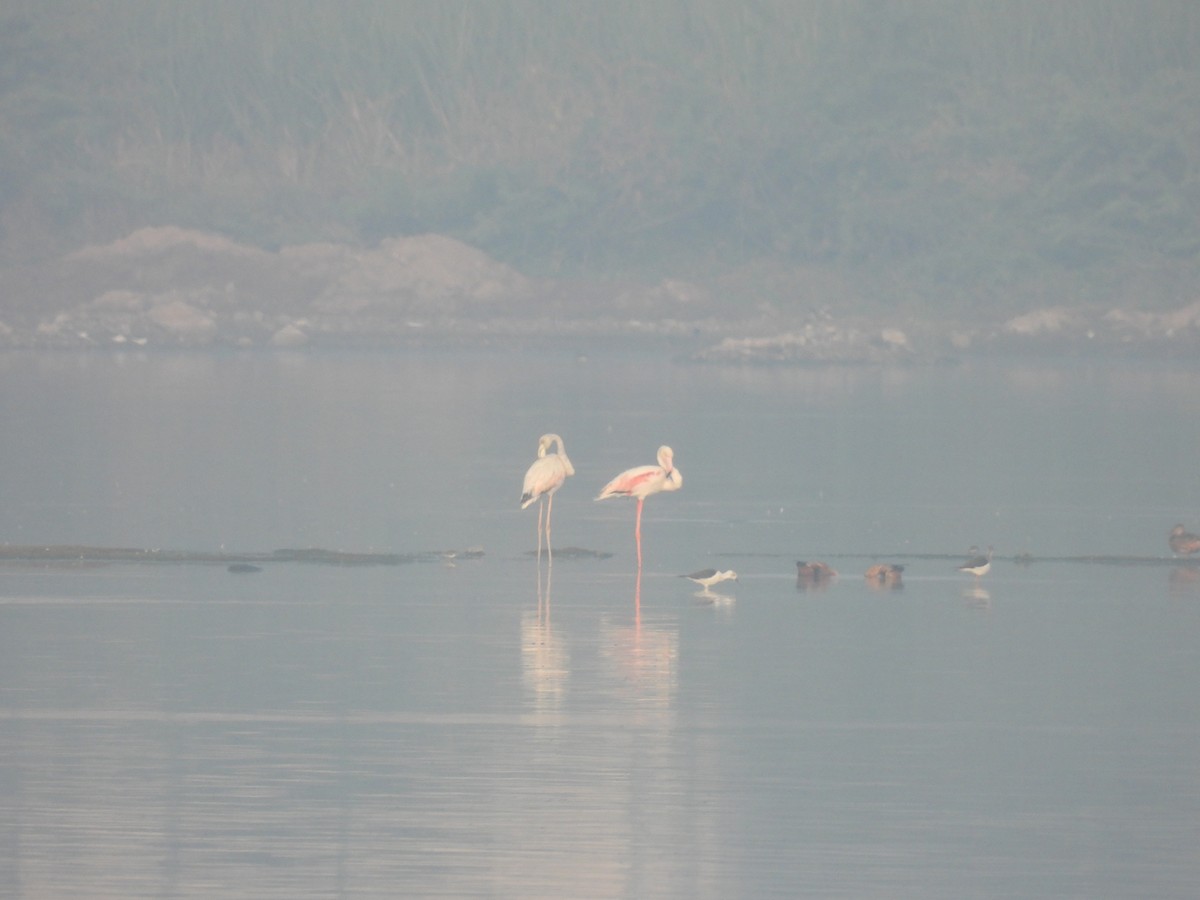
{"x":549,"y":509}
{"x":637,"y":601}
{"x":637,"y":533}
{"x":539,"y":552}
{"x":539,"y":593}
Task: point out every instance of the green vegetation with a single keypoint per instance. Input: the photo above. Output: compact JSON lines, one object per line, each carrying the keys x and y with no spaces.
{"x":939,"y":156}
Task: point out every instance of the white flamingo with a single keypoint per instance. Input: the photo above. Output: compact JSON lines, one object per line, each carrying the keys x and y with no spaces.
{"x":544,"y":477}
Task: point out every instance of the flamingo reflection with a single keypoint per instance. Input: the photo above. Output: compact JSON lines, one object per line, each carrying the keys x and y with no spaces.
{"x":545,"y":661}
{"x":645,"y":658}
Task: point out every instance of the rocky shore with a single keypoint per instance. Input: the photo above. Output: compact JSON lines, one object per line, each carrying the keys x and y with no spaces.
{"x":167,"y":287}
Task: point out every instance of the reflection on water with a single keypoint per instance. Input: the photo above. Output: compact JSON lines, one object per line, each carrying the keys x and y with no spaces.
{"x":545,"y":660}
{"x":1184,"y":580}
{"x":978,"y":596}
{"x":713,"y":597}
{"x":505,"y":728}
{"x":645,"y":662}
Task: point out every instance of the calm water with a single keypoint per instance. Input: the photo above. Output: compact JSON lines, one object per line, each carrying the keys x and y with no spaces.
{"x":484,"y":727}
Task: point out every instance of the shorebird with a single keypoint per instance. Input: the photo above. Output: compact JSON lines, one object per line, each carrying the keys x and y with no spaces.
{"x":884,"y":575}
{"x":706,"y":578}
{"x":544,"y":477}
{"x":641,"y":482}
{"x":1183,"y":543}
{"x":977,"y":564}
{"x":813,"y":573}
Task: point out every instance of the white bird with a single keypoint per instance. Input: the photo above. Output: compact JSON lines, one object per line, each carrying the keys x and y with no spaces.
{"x":706,"y":578}
{"x":978,"y":565}
{"x":641,"y":482}
{"x":544,"y":477}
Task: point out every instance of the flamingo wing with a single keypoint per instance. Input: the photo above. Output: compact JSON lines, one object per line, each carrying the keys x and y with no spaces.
{"x":630,"y":481}
{"x":545,"y":476}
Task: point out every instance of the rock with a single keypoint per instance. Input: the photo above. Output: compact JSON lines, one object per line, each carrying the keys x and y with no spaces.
{"x":182,"y":287}
{"x":671,"y":296}
{"x":183,"y":321}
{"x":1126,"y":326}
{"x":160,"y":239}
{"x":120,"y":301}
{"x":1052,"y":320}
{"x":290,"y":335}
{"x":1187,"y":318}
{"x":423,"y":273}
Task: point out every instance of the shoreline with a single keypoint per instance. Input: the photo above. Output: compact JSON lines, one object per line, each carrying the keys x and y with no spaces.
{"x":167,"y":288}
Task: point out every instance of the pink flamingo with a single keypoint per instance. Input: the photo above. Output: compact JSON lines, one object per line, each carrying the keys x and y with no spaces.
{"x":641,"y":482}
{"x":544,"y":477}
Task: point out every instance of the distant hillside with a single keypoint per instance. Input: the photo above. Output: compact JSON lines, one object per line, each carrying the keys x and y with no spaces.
{"x":170,"y":288}
{"x":925,"y":157}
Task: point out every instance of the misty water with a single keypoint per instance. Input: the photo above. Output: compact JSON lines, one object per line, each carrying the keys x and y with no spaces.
{"x":477,"y":724}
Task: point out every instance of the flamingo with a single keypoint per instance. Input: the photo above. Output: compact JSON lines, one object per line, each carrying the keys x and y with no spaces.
{"x":1183,"y":541}
{"x":544,"y":477}
{"x":641,"y":482}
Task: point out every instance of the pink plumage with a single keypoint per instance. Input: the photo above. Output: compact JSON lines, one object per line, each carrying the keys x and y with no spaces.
{"x":641,"y":482}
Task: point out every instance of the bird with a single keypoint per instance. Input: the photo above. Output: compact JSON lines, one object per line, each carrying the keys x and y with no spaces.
{"x":884,"y":575}
{"x":543,"y":478}
{"x":706,"y":578}
{"x":641,"y":482}
{"x":977,"y":564}
{"x":811,"y":573}
{"x":1183,"y":542}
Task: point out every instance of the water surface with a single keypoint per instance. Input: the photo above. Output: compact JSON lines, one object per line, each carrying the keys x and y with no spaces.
{"x":483,"y":726}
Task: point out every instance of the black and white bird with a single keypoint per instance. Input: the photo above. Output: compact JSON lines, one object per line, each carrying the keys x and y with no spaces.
{"x":978,"y":564}
{"x":706,"y":578}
